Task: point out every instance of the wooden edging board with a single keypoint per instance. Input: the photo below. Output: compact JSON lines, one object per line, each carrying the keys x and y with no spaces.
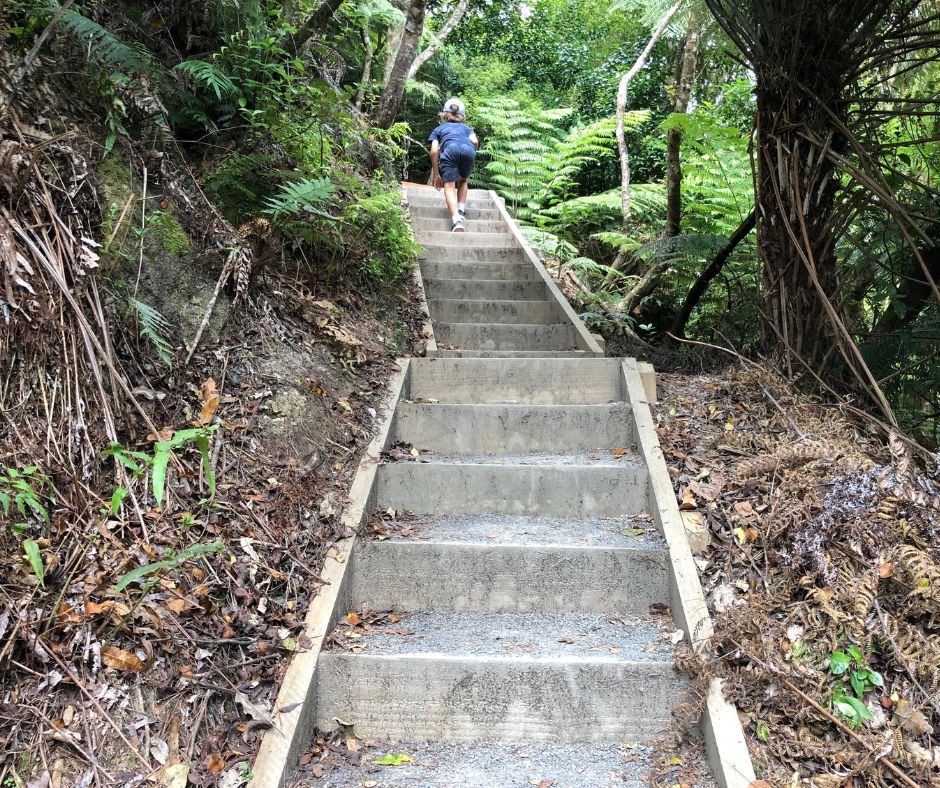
{"x":585,"y":340}
{"x":295,"y":707}
{"x":724,"y":737}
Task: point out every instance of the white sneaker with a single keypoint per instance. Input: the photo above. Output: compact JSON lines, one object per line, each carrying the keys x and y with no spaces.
{"x":458,"y":225}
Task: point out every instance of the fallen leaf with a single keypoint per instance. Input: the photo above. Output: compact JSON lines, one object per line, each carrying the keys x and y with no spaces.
{"x":632,"y":532}
{"x":886,"y":570}
{"x":740,"y":535}
{"x":619,"y":452}
{"x":176,"y":605}
{"x":392,"y":759}
{"x":215,"y":764}
{"x":752,"y":534}
{"x":353,"y":618}
{"x":910,"y":719}
{"x":175,"y":776}
{"x":688,"y":500}
{"x":119,"y":659}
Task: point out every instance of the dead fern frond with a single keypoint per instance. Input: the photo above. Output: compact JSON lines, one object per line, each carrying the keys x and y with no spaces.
{"x":919,"y":570}
{"x":789,"y":456}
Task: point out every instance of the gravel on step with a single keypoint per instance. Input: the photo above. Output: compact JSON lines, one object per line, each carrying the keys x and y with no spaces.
{"x":599,"y":457}
{"x":504,"y":529}
{"x":486,"y":765}
{"x":536,"y":635}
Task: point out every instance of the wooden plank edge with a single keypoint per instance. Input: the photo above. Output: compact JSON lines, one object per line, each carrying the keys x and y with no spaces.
{"x":283,"y":743}
{"x":724,"y":738}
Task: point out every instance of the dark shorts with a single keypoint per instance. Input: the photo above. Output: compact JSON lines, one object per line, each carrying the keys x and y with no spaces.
{"x":457,"y":161}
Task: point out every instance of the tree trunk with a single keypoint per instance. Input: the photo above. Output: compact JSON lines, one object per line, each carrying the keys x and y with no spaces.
{"x":714,"y":268}
{"x":440,"y":38}
{"x":394,"y":91}
{"x":314,"y":24}
{"x":393,"y":42}
{"x":623,"y":94}
{"x":366,"y":77}
{"x":674,"y":136}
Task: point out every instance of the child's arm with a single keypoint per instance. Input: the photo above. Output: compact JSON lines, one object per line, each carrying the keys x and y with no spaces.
{"x":474,"y":140}
{"x":435,"y":158}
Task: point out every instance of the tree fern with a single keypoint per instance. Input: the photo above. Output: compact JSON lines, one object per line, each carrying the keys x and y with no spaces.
{"x":154,"y":327}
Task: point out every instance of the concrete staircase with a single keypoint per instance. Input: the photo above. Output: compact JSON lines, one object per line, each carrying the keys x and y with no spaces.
{"x":531,"y":582}
{"x":487,"y":294}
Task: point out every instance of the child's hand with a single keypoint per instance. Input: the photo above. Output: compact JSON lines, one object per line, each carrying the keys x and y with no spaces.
{"x":438,"y":182}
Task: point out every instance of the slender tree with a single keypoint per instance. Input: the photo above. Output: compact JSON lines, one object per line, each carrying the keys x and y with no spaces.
{"x":623,"y":94}
{"x":674,"y":135}
{"x":394,"y":91}
{"x":321,"y":15}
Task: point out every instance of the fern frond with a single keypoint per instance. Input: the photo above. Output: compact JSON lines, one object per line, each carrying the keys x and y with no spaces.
{"x":104,"y":45}
{"x":155,"y":328}
{"x":300,"y":196}
{"x":209,"y":76}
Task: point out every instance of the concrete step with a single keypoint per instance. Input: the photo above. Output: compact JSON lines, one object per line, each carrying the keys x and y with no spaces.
{"x":484,"y":290}
{"x":439,"y":212}
{"x":506,"y":578}
{"x":537,"y":381}
{"x":513,"y":529}
{"x":443,"y":224}
{"x":503,"y":677}
{"x":576,"y":490}
{"x":467,"y":238}
{"x":484,"y":764}
{"x":453,"y":310}
{"x":505,"y":336}
{"x":455,"y":353}
{"x":512,"y":429}
{"x":433,"y":198}
{"x":518,"y":272}
{"x":457,"y":252}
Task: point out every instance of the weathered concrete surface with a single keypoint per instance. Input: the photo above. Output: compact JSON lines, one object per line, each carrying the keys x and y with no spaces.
{"x":453,"y":698}
{"x":467,"y":239}
{"x":513,"y":429}
{"x":482,"y":270}
{"x":483,"y":764}
{"x":506,"y":578}
{"x":458,"y":311}
{"x":455,"y":251}
{"x":505,"y":336}
{"x":454,"y":488}
{"x":439,"y":212}
{"x":594,"y":381}
{"x":473,"y":353}
{"x":484,"y":290}
{"x":442,"y":223}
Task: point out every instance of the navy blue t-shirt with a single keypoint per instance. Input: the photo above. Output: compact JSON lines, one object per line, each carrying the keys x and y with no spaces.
{"x":452,"y":134}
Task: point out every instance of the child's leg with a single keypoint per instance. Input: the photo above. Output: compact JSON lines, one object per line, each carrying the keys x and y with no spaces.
{"x":463,"y":188}
{"x":450,"y":197}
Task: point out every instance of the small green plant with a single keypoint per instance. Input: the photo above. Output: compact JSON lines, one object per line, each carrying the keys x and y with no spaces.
{"x":25,"y":491}
{"x":851,"y":662}
{"x":154,"y":327}
{"x":137,"y":461}
{"x":174,"y":560}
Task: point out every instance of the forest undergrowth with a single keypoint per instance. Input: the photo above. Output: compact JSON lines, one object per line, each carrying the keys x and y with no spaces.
{"x":820,"y":575}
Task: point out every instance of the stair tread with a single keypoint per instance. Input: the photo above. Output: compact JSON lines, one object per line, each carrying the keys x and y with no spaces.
{"x":485,"y":764}
{"x":508,"y":529}
{"x":570,"y":637}
{"x":601,"y":458}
